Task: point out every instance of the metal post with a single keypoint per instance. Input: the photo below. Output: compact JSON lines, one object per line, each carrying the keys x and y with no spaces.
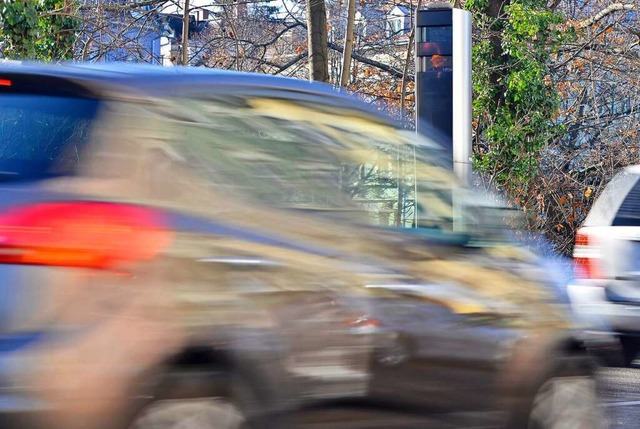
{"x":462,"y":94}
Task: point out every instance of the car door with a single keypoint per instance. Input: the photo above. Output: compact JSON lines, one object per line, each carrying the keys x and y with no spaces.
{"x":438,"y":361}
{"x":255,"y":179}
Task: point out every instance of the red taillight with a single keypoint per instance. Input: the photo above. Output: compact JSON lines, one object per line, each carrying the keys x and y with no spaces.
{"x":81,"y":234}
{"x":5,"y":82}
{"x":586,"y":257}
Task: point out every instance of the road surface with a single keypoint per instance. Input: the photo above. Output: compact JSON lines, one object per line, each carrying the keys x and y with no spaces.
{"x":620,"y":394}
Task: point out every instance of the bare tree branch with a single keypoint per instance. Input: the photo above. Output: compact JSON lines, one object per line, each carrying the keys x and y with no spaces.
{"x":392,"y":71}
{"x":615,"y":7}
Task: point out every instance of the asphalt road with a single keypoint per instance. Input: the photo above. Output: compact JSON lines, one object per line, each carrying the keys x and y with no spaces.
{"x":620,"y":395}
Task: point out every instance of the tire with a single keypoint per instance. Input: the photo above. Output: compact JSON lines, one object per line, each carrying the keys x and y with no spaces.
{"x":201,"y":400}
{"x":630,"y":350}
{"x":206,"y":413}
{"x":609,"y":358}
{"x":567,"y":398}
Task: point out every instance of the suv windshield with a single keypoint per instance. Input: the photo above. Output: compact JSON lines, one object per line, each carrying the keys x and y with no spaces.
{"x":42,"y":135}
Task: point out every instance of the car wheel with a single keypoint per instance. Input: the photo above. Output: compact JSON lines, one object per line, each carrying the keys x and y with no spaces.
{"x":206,"y":413}
{"x":630,"y":350}
{"x":568,"y":398}
{"x":203,"y":400}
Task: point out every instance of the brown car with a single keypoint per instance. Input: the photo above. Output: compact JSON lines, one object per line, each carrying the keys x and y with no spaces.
{"x":186,"y":248}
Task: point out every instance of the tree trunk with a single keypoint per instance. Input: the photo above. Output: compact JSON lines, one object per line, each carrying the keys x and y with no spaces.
{"x":317,"y":40}
{"x":185,"y":34}
{"x":348,"y":44}
{"x":407,"y":59}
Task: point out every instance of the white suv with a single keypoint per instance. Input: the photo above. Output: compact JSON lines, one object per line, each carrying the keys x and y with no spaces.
{"x":606,"y":289}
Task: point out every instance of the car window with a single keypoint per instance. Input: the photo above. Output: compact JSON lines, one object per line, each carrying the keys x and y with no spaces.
{"x":42,"y":135}
{"x":629,"y":212}
{"x":322,"y":159}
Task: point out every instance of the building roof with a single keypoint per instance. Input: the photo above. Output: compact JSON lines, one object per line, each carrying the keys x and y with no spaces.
{"x":173,"y":7}
{"x":399,"y":10}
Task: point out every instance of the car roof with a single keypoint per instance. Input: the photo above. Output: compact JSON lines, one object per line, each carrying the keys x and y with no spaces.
{"x":633,"y":169}
{"x":162,"y":81}
{"x":115,"y":79}
{"x":605,"y":208}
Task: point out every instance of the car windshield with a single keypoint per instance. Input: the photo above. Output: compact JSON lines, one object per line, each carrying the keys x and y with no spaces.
{"x":330,"y":160}
{"x":42,"y":135}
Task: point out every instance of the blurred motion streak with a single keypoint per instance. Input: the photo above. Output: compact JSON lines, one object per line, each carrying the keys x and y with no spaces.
{"x":186,"y":248}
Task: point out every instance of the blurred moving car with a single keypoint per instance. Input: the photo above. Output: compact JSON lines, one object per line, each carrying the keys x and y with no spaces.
{"x":606,"y":289}
{"x":188,"y":248}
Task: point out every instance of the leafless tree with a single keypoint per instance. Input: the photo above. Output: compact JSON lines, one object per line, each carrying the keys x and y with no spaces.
{"x":596,"y":76}
{"x":317,"y":40}
{"x":118,"y":31}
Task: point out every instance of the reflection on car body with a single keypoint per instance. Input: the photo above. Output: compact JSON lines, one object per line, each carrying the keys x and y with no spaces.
{"x":279,"y":247}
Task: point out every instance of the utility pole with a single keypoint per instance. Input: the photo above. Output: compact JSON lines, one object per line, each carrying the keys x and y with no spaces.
{"x":317,"y":40}
{"x":185,"y":34}
{"x":348,"y":44}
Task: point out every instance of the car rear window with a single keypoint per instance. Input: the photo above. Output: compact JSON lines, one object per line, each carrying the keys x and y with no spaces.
{"x":629,"y":212}
{"x":42,"y":135}
{"x":606,"y":206}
